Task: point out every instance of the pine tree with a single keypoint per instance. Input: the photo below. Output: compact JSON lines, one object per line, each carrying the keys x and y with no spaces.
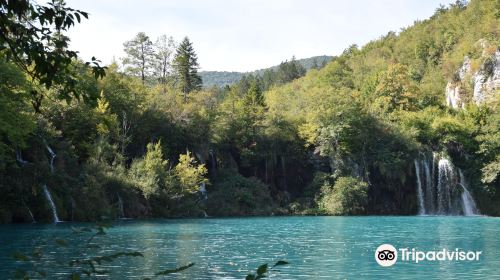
{"x":186,"y":67}
{"x":139,"y":55}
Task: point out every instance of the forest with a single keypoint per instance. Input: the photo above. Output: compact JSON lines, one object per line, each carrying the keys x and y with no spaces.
{"x":223,"y":78}
{"x":142,"y":137}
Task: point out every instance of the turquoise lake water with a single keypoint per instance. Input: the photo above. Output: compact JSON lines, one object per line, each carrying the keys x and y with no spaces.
{"x":316,"y":247}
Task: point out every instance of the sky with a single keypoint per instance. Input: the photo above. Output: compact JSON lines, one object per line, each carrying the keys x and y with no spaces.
{"x":243,"y":35}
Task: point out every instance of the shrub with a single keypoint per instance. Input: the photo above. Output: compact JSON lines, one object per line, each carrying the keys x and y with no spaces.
{"x":347,"y":197}
{"x":235,"y":195}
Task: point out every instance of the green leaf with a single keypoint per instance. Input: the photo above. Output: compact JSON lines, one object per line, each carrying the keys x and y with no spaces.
{"x":75,"y":276}
{"x":250,"y":277}
{"x":170,"y":271}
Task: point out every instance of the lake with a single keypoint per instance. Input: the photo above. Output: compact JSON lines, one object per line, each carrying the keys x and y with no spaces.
{"x":316,"y":247}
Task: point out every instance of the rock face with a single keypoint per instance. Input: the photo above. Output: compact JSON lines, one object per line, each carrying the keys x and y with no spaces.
{"x":454,"y":92}
{"x":486,"y":82}
{"x":453,"y":98}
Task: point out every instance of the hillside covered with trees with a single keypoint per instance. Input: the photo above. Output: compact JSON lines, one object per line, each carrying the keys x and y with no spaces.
{"x":224,"y":78}
{"x":143,"y":138}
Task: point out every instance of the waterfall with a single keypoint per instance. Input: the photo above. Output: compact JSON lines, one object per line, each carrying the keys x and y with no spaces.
{"x":48,"y":196}
{"x":31,"y":215}
{"x":429,"y":190}
{"x":19,"y":158}
{"x":446,"y":177}
{"x":468,"y":203}
{"x":421,"y":205}
{"x":121,"y":212}
{"x":442,"y":188}
{"x":203,"y":191}
{"x":52,"y":157}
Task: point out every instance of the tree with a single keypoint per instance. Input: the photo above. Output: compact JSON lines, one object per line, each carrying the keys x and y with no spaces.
{"x":32,"y":36}
{"x":395,"y":88}
{"x":186,"y":67}
{"x":289,"y":71}
{"x":253,"y":110}
{"x":15,"y":121}
{"x":139,"y":55}
{"x":189,"y":174}
{"x":151,"y":173}
{"x":349,"y":196}
{"x":490,"y":144}
{"x":163,"y":49}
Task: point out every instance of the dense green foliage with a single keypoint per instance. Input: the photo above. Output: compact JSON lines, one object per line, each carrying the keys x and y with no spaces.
{"x":340,"y":139}
{"x":31,"y":36}
{"x":348,"y":196}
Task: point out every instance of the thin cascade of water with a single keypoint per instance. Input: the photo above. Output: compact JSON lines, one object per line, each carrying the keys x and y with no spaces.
{"x":52,"y":205}
{"x":31,"y":215}
{"x":429,"y":186}
{"x":19,"y":158}
{"x":121,"y":212}
{"x":203,"y":190}
{"x":468,"y":203}
{"x":52,"y":157}
{"x":421,"y":205}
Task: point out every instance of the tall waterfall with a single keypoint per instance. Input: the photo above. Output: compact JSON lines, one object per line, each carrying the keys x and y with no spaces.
{"x":52,"y":205}
{"x":446,"y":178}
{"x":442,"y":188}
{"x":48,"y":196}
{"x":420,"y":193}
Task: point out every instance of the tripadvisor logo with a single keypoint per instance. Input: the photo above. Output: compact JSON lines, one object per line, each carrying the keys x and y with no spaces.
{"x":387,"y":255}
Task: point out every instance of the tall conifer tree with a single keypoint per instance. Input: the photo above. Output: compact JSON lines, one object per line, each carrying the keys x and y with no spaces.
{"x":186,"y":67}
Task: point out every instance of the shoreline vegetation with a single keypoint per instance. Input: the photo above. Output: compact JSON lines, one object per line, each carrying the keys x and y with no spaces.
{"x":407,"y":124}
